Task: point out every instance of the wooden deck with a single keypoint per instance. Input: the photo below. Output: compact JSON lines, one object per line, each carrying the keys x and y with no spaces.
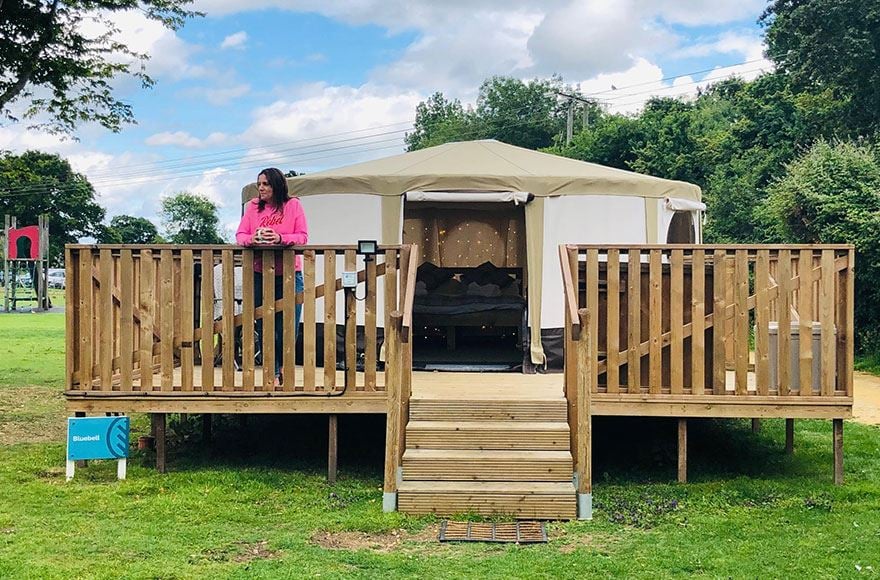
{"x":674,"y":331}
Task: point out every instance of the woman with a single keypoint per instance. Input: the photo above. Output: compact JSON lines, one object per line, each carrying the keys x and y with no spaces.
{"x":274,"y":218}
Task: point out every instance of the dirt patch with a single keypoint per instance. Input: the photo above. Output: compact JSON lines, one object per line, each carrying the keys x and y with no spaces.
{"x":866,"y":398}
{"x":31,"y":415}
{"x":255,"y":551}
{"x":387,"y":542}
{"x":237,"y":552}
{"x":568,"y":542}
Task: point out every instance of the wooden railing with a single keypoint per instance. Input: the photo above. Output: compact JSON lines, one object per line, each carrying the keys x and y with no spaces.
{"x":166,"y":320}
{"x":711,"y":320}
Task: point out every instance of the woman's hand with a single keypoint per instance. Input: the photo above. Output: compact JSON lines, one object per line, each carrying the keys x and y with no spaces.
{"x":267,"y":236}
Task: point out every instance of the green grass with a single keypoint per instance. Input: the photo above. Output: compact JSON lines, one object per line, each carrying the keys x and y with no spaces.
{"x":868,"y":363}
{"x":254,"y":503}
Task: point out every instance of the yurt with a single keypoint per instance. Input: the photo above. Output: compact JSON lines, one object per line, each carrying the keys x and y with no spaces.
{"x":488,"y":219}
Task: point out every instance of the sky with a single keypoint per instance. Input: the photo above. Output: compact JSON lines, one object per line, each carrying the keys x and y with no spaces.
{"x":315,"y":84}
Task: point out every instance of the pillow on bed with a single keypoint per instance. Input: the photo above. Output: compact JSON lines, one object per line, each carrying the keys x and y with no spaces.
{"x":487,"y":273}
{"x":451,"y":287}
{"x":432,"y":275}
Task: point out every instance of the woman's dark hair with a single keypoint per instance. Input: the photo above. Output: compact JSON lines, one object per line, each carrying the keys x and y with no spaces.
{"x":280,"y":193}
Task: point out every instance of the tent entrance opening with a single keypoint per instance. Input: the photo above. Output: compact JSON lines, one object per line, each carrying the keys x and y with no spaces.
{"x":470,"y":302}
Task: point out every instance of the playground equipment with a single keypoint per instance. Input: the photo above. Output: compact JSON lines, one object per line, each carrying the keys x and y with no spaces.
{"x":25,"y":263}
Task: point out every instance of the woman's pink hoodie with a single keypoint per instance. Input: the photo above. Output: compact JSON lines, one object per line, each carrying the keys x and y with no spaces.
{"x":290,"y":222}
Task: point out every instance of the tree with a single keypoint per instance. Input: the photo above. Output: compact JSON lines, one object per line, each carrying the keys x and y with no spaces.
{"x":48,"y":60}
{"x":126,"y":229}
{"x":830,"y":44}
{"x":832,"y":195}
{"x":190,"y":218}
{"x":610,"y":140}
{"x":439,"y":120}
{"x":37,"y":183}
{"x":520,"y":113}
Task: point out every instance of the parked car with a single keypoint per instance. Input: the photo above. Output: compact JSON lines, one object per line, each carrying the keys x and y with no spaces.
{"x":56,"y":278}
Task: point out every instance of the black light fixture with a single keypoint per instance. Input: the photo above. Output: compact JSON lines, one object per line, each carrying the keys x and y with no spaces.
{"x":368,"y":249}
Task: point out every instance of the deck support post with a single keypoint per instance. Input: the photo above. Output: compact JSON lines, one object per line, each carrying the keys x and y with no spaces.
{"x":789,"y":436}
{"x":756,"y":425}
{"x":207,"y":427}
{"x":332,"y":448}
{"x":837,"y":427}
{"x":583,"y":456}
{"x":682,"y":450}
{"x":158,"y":428}
{"x":393,"y":387}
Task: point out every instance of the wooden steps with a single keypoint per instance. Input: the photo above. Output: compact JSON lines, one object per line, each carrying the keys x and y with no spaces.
{"x":522,"y":435}
{"x":545,"y":501}
{"x":497,"y":453}
{"x":487,"y":410}
{"x":486,"y":465}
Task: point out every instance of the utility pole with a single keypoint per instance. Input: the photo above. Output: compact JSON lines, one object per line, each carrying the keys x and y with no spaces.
{"x":585,"y":112}
{"x":569,"y":124}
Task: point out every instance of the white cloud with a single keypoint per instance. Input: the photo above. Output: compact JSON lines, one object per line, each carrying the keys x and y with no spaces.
{"x":584,"y":39}
{"x":170,"y":56}
{"x":334,"y":114}
{"x":455,"y":59}
{"x":236,"y":40}
{"x":184,"y":139}
{"x":218,"y":95}
{"x":625,"y":91}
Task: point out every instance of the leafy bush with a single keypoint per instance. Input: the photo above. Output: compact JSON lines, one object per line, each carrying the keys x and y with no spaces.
{"x":831,"y":194}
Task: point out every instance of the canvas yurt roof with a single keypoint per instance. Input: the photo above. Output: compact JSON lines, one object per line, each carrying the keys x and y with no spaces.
{"x":484,"y":166}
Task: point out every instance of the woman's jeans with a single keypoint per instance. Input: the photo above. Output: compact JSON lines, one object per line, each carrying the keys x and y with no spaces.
{"x":279,"y":317}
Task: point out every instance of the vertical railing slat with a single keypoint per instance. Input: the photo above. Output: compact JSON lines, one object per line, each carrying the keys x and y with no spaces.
{"x":171,"y":311}
{"x":741,"y":321}
{"x":329,"y":320}
{"x":268,"y":347}
{"x":676,"y":320}
{"x":370,"y":350}
{"x":310,"y":342}
{"x":86,"y":319}
{"x":71,"y":318}
{"x":655,"y":313}
{"x":206,"y":319}
{"x":698,"y":322}
{"x":288,"y":356}
{"x":248,"y":327}
{"x":826,"y":320}
{"x":634,"y":325}
{"x":187,"y":319}
{"x":805,"y":327}
{"x":783,"y":331}
{"x":351,"y":326}
{"x":104,"y":314}
{"x":719,"y":322}
{"x":592,"y":275}
{"x":146,"y":306}
{"x":227,"y":332}
{"x":126,"y":319}
{"x":762,"y":322}
{"x":390,"y":295}
{"x":849,"y":328}
{"x":612,"y":341}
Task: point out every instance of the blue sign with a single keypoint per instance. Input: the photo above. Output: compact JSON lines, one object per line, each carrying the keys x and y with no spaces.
{"x":97,"y":438}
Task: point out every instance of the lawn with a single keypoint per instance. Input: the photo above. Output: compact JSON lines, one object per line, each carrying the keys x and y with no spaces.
{"x":253,"y":502}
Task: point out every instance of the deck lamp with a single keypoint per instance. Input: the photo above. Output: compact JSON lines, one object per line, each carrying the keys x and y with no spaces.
{"x":368,"y":249}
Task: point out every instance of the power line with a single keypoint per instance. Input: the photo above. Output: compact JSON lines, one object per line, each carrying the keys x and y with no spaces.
{"x":151,"y":169}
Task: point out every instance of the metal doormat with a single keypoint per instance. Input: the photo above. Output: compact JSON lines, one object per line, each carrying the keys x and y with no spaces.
{"x":524,"y":532}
